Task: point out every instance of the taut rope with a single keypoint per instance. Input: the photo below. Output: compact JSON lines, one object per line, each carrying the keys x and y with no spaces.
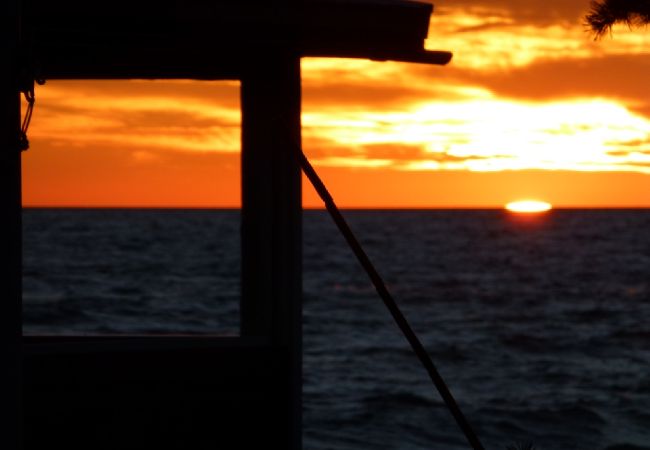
{"x":388,"y":300}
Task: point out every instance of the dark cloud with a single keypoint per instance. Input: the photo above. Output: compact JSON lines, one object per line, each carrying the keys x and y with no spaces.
{"x":442,"y":157}
{"x":621,"y":75}
{"x":316,"y":147}
{"x":395,"y":152}
{"x":134,"y":120}
{"x":356,"y":94}
{"x":401,"y":155}
{"x":485,"y":26}
{"x":221,"y":93}
{"x":521,"y":11}
{"x":55,"y":108}
{"x":373,"y":94}
{"x":178,"y":120}
{"x":616,"y":76}
{"x":320,"y":148}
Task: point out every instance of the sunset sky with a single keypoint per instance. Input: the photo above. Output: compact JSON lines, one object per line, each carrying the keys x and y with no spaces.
{"x":530,"y":107}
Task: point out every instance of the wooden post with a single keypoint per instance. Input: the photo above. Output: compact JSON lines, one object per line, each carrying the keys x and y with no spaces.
{"x":271,"y":216}
{"x":10,"y":232}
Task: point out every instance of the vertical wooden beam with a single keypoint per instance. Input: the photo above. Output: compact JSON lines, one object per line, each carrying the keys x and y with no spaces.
{"x":271,"y":215}
{"x":10,"y":231}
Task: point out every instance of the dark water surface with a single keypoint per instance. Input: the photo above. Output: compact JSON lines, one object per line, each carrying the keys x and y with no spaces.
{"x":539,"y":325}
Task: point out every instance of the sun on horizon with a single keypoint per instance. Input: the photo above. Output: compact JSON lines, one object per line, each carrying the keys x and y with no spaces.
{"x":528,"y":206}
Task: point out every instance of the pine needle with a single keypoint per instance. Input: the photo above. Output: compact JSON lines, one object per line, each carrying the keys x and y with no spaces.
{"x":605,"y":13}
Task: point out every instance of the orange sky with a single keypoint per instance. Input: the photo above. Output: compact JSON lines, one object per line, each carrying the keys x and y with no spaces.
{"x":530,"y":107}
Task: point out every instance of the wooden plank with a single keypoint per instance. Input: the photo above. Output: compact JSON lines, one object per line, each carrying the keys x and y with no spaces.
{"x":271,"y":215}
{"x":10,"y":232}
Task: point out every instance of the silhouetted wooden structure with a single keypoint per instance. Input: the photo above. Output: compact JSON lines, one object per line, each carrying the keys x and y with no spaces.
{"x":183,"y":392}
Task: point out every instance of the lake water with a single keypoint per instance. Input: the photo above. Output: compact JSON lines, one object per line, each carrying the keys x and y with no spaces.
{"x":540,"y":325}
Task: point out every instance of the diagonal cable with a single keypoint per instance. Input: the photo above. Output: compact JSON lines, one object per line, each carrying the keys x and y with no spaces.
{"x":388,"y":300}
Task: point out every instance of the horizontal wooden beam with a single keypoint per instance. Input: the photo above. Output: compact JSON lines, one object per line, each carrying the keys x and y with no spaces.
{"x":170,"y":39}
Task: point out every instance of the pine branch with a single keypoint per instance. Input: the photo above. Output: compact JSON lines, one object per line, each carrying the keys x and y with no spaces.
{"x":605,"y":13}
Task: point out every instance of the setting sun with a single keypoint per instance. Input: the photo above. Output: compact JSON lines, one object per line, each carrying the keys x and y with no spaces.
{"x":528,"y":206}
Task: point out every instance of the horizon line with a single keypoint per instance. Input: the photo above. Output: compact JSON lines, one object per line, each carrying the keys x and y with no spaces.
{"x":319,"y":208}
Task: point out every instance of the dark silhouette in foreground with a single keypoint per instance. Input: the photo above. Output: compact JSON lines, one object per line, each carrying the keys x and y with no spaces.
{"x":605,"y":13}
{"x":183,"y":392}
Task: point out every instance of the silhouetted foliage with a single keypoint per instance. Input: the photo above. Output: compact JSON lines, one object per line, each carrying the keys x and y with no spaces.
{"x":605,"y":13}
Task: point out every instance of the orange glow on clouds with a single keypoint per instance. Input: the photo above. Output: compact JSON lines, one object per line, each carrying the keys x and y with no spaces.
{"x":528,"y":104}
{"x":75,"y":113}
{"x":489,"y":39}
{"x":491,"y":134}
